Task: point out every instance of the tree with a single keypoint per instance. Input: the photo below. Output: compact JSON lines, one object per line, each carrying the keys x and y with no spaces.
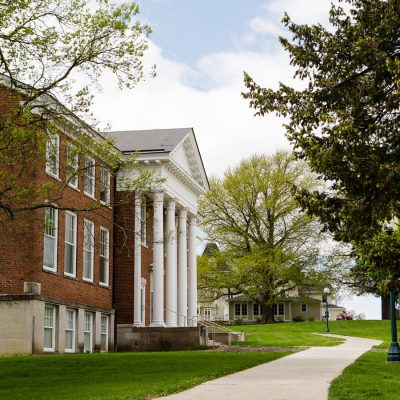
{"x":346,"y":121}
{"x":268,"y":245}
{"x":46,"y":48}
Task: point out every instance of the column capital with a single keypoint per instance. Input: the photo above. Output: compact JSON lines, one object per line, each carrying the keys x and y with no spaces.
{"x":192,"y":219}
{"x":158,"y":195}
{"x":138,"y":198}
{"x":171,"y":204}
{"x":183,"y":212}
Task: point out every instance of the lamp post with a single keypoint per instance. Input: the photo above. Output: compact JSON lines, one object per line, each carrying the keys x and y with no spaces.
{"x":326,"y":292}
{"x":394,"y":349}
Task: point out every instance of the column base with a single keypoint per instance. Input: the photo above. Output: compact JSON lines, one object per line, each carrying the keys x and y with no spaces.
{"x":171,"y":325}
{"x":138,"y":325}
{"x":158,"y":324}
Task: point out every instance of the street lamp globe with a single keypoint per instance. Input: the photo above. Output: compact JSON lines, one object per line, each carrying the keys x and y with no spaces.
{"x":326,"y":290}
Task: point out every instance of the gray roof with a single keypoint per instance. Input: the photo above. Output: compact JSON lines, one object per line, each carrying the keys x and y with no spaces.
{"x":159,"y":140}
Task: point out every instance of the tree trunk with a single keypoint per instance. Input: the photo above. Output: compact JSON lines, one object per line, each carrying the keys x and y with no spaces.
{"x":268,"y":313}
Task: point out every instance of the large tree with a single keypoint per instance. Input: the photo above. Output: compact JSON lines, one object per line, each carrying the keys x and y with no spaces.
{"x":345,"y":121}
{"x":268,"y":245}
{"x":51,"y":52}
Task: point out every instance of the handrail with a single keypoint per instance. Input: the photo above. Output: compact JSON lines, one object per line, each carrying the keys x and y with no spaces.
{"x":214,"y":324}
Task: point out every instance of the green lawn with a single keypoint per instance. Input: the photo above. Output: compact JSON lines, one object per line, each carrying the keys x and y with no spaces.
{"x":118,"y":376}
{"x":304,"y":333}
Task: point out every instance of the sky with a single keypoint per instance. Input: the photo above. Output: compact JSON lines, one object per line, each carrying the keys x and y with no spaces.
{"x":201,"y":49}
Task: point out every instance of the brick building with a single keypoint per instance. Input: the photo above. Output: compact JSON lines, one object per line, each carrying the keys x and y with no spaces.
{"x":66,"y":276}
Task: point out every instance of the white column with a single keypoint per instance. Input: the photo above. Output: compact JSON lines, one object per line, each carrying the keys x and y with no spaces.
{"x":158,"y":261}
{"x":137,"y":275}
{"x":171,"y":267}
{"x":192,"y":273}
{"x":182,"y":268}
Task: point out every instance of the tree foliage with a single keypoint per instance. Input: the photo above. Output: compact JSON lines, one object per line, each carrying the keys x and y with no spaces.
{"x":268,"y":245}
{"x":345,"y":121}
{"x":50,"y":52}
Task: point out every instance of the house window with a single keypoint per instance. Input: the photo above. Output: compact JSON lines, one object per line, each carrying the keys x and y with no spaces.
{"x":88,"y":333}
{"x":88,"y":250}
{"x":53,"y":155}
{"x":70,"y":244}
{"x":72,"y":166}
{"x":143,"y":228}
{"x":50,"y":239}
{"x":89,"y":176}
{"x":105,"y":186}
{"x":279,"y":309}
{"x":104,"y":333}
{"x":207,"y":314}
{"x":49,"y":328}
{"x":104,"y":256}
{"x":256,"y":309}
{"x":241,"y":310}
{"x":70,"y":331}
{"x":304,"y":308}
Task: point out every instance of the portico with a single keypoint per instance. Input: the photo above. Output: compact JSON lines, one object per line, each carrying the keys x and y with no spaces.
{"x":173,"y":156}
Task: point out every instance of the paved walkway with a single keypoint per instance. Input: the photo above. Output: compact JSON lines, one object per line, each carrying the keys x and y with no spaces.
{"x":302,"y":376}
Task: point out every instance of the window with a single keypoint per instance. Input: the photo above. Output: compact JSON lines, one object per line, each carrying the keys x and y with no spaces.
{"x":304,"y":307}
{"x":70,"y":331}
{"x":105,"y":186}
{"x":256,"y":309}
{"x":50,"y":239}
{"x":89,"y":177}
{"x":88,"y":333}
{"x":72,"y":166}
{"x":70,"y":244}
{"x":88,"y":250}
{"x":53,"y":155}
{"x":207,"y":314}
{"x":279,"y":309}
{"x":49,"y":328}
{"x":104,"y":333}
{"x":104,"y":256}
{"x":241,"y":310}
{"x":143,"y":230}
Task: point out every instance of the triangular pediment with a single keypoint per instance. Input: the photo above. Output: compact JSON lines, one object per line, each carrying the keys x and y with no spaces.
{"x":187,"y":157}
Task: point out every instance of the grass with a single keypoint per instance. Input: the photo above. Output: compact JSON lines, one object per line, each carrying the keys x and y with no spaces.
{"x":117,"y":376}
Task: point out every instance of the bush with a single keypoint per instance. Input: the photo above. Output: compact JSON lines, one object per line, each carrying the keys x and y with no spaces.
{"x":239,"y":321}
{"x":298,"y":318}
{"x":345,"y":315}
{"x":311,"y":319}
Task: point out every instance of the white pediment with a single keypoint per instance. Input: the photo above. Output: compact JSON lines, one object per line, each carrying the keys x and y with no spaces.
{"x":187,"y":157}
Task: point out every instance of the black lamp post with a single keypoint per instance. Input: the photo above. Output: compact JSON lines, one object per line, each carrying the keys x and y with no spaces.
{"x":394,"y":349}
{"x":326,"y":292}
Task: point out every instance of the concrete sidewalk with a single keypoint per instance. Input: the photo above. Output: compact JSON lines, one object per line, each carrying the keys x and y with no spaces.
{"x":302,"y":376}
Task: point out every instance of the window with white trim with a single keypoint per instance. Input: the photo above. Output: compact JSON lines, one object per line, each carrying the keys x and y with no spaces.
{"x":241,"y":310}
{"x":105,"y":186}
{"x":88,"y":250}
{"x":304,"y":307}
{"x":88,"y":333}
{"x":143,"y":227}
{"x":104,"y":333}
{"x":72,"y":166}
{"x":256,"y":309}
{"x":89,"y":177}
{"x":50,"y":239}
{"x":70,"y":331}
{"x":49,"y":328}
{"x":104,"y":256}
{"x":279,"y":309}
{"x":53,"y":155}
{"x":70,"y":244}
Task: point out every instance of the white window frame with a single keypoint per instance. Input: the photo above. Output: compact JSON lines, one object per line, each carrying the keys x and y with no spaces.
{"x":258,"y":305}
{"x":105,"y":186}
{"x":301,"y":307}
{"x":90,"y":332}
{"x":143,"y":223}
{"x":105,"y":257}
{"x":73,"y":330}
{"x":207,"y":313}
{"x":91,"y":176}
{"x":75,"y":234}
{"x":73,"y":164}
{"x":104,"y":332}
{"x":53,"y":144}
{"x":46,"y":267}
{"x":88,"y":223}
{"x":52,"y":327}
{"x":241,"y":315}
{"x":277,"y":314}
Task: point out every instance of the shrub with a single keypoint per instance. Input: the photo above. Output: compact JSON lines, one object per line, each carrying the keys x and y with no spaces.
{"x":311,"y":319}
{"x":239,"y":321}
{"x":298,"y":318}
{"x":345,"y":315}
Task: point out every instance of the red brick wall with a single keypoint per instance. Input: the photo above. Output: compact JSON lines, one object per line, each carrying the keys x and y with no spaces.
{"x":21,"y":241}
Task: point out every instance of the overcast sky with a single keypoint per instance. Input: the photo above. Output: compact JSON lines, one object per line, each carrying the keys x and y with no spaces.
{"x":201,"y":49}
